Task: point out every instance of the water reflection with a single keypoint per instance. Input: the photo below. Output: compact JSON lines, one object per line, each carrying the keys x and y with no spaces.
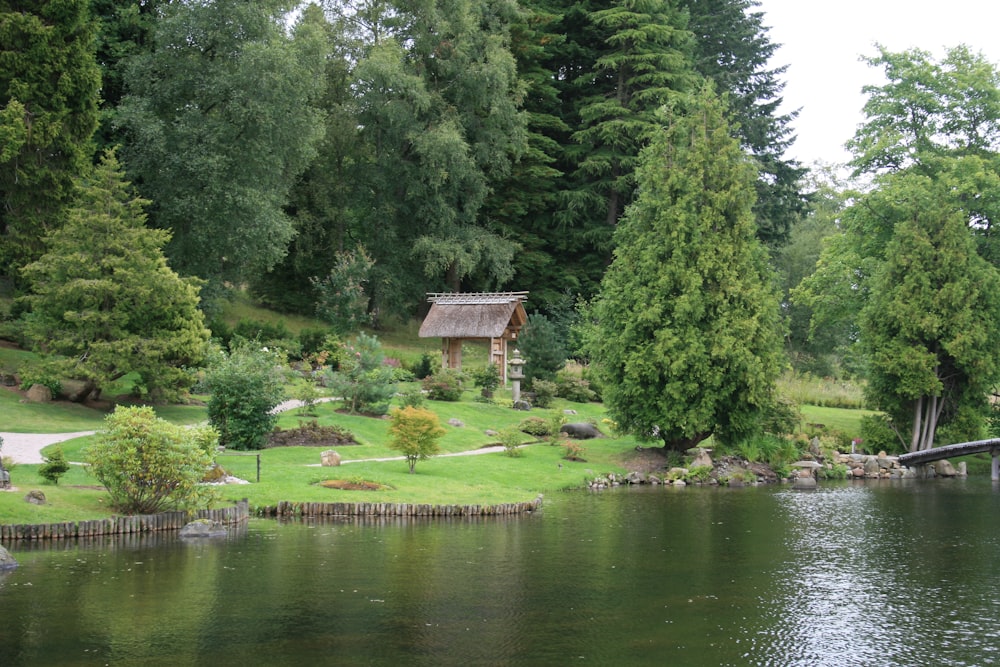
{"x":877,"y":574}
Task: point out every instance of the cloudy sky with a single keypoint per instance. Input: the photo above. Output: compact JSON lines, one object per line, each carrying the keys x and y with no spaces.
{"x":822,"y":41}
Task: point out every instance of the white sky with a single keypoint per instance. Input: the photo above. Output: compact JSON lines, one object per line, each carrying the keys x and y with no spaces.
{"x":821,"y":42}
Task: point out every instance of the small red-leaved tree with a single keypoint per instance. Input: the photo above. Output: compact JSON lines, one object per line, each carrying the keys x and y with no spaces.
{"x":415,"y":432}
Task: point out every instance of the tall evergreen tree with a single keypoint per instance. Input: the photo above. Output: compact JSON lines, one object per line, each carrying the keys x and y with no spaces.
{"x":732,"y":48}
{"x":643,"y":62}
{"x":687,"y":342}
{"x":103,"y":301}
{"x":221,"y":120}
{"x":49,"y":83}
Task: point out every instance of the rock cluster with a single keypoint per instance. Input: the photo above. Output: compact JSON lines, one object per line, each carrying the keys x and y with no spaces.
{"x":735,"y":472}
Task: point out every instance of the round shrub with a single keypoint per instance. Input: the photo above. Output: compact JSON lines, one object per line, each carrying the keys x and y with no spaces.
{"x":445,"y":385}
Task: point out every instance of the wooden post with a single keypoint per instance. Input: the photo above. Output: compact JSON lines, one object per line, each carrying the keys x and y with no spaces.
{"x":995,"y":465}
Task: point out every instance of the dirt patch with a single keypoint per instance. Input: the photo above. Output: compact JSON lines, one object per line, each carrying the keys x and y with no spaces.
{"x":311,"y":435}
{"x":644,"y":459}
{"x":351,"y":485}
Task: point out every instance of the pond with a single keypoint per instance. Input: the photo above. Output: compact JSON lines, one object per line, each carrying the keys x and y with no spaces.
{"x":898,"y":573}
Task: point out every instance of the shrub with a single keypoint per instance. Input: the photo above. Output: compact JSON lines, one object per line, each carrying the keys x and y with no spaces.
{"x":39,"y":374}
{"x":307,"y":394}
{"x":414,"y":432}
{"x":698,"y":474}
{"x":412,"y":397}
{"x":535,"y":426}
{"x":781,"y":416}
{"x":574,"y":451}
{"x":573,"y":388}
{"x":445,"y":385}
{"x":55,"y":465}
{"x":544,"y":392}
{"x":364,"y":382}
{"x":150,"y":465}
{"x":487,"y":379}
{"x":510,"y":438}
{"x":878,"y":435}
{"x":273,"y":335}
{"x":246,"y":386}
{"x":425,"y":367}
{"x":543,"y":349}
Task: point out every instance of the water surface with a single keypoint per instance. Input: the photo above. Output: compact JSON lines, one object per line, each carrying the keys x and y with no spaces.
{"x":877,"y":573}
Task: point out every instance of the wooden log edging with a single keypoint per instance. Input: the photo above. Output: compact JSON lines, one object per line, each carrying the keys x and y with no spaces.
{"x":123,"y":525}
{"x":296,"y":509}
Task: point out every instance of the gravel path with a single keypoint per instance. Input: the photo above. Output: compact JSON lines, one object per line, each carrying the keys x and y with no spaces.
{"x":27,"y":447}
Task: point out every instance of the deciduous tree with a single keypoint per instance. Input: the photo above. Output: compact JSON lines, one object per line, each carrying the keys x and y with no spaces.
{"x":414,"y":432}
{"x":221,"y":119}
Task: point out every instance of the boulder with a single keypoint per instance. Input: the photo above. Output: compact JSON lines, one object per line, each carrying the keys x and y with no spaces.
{"x":39,"y":393}
{"x":203,"y":528}
{"x":330,"y":458}
{"x":701,"y":458}
{"x":944,"y":468}
{"x":75,"y":390}
{"x":580,"y":430}
{"x":35,"y":497}
{"x":569,"y":412}
{"x":7,"y":561}
{"x":457,"y":423}
{"x":871,"y":467}
{"x":804,"y":482}
{"x":636,"y":478}
{"x":522,"y":405}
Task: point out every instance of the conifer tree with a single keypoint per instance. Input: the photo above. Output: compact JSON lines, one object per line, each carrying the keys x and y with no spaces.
{"x":49,"y":83}
{"x":103,"y":301}
{"x":687,"y":343}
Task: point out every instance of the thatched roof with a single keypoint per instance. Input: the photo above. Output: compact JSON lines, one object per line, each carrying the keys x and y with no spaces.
{"x":474,"y":315}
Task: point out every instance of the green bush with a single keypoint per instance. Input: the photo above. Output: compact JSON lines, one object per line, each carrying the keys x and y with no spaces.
{"x":445,"y":385}
{"x":510,"y":438}
{"x":877,"y":435}
{"x":246,"y":385}
{"x":544,"y":392}
{"x":365,"y":383}
{"x":55,"y":465}
{"x":698,"y":474}
{"x":38,"y":374}
{"x":412,"y":397}
{"x":487,"y":379}
{"x":573,"y":388}
{"x":425,"y":367}
{"x":543,"y":348}
{"x":149,"y":465}
{"x":536,"y":426}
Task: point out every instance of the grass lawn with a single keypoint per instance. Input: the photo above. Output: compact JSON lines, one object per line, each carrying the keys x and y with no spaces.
{"x":840,"y":419}
{"x":293,"y":473}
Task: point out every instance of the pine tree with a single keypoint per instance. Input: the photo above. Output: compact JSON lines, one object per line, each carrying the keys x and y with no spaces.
{"x":732,"y":49}
{"x":687,"y":344}
{"x":49,"y":83}
{"x":103,"y":301}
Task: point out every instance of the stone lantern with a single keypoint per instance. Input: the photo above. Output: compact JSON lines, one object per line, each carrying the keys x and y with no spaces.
{"x":516,"y":373}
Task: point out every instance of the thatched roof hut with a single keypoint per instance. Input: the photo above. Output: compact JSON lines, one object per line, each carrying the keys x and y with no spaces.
{"x":496,"y":317}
